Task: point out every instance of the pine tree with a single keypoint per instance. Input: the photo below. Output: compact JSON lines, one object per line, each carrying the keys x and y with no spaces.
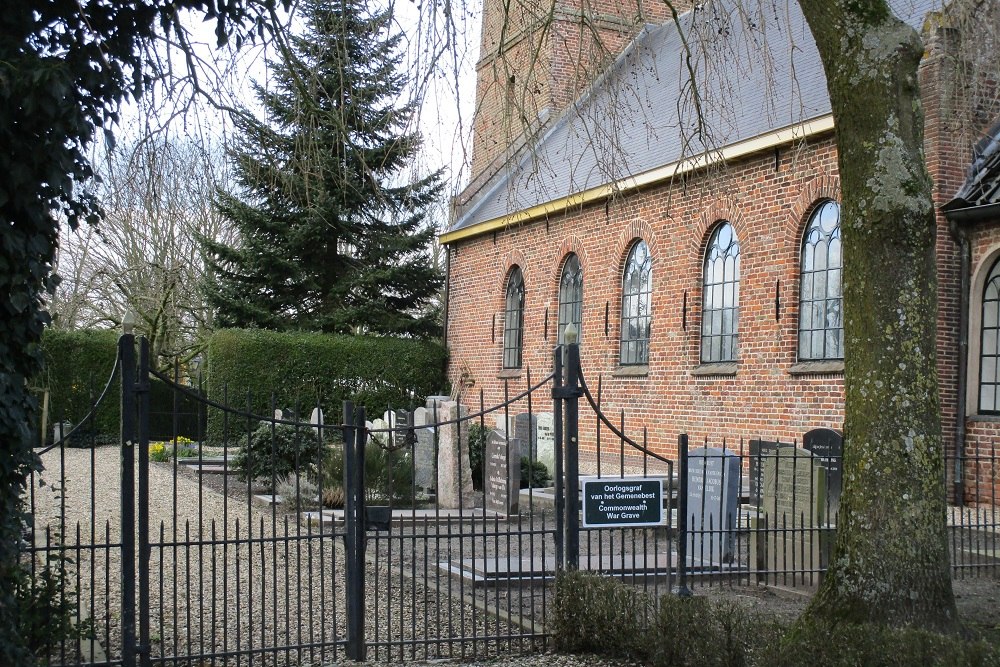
{"x":327,"y":239}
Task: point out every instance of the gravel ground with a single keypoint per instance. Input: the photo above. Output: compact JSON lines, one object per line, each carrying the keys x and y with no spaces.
{"x":251,"y":576}
{"x":230,"y":574}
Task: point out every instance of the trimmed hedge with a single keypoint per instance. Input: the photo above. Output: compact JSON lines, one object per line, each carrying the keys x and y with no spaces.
{"x":77,"y":364}
{"x":301,"y":369}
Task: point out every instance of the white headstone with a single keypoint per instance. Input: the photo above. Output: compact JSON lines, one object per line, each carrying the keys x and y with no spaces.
{"x":316,"y":419}
{"x":545,"y":440}
{"x":379,"y":425}
{"x":278,"y":414}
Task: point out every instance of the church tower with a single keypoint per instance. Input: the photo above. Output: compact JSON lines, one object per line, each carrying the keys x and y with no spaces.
{"x":537,"y":56}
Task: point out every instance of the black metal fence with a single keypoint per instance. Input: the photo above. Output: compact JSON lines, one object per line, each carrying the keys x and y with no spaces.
{"x":429,"y":532}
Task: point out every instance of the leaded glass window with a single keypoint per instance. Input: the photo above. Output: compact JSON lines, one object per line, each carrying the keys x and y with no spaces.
{"x":821,"y":318}
{"x":513,"y":321}
{"x":989,"y":345}
{"x":721,"y":296}
{"x":637,"y":290}
{"x":570,"y":296}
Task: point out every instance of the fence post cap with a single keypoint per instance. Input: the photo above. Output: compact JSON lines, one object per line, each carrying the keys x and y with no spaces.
{"x":570,"y":334}
{"x":128,"y":322}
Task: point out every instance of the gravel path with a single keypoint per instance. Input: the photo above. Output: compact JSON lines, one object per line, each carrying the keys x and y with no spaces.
{"x":231,"y":576}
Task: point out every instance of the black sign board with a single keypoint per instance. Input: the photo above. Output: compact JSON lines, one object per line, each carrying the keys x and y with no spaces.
{"x":403,"y":433}
{"x":615,"y":502}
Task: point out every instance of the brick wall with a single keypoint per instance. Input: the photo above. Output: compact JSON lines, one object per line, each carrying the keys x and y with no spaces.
{"x":768,"y":204}
{"x":768,"y":207}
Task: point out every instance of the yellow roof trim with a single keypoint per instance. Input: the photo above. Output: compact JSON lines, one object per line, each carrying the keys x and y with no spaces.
{"x":646,"y":179}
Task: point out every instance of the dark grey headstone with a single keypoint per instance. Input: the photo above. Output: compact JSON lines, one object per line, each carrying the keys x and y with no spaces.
{"x":503,"y":473}
{"x":828,"y":445}
{"x":526,"y":432}
{"x":760,"y":452}
{"x":403,"y":434}
{"x":713,"y":505}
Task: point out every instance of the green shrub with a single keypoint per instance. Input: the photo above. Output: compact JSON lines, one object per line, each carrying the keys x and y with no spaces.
{"x":369,"y":370}
{"x":276,"y":451}
{"x":534,"y":474}
{"x":388,"y":474}
{"x":478,"y":437}
{"x":595,"y":614}
{"x":46,"y":609}
{"x":601,"y":614}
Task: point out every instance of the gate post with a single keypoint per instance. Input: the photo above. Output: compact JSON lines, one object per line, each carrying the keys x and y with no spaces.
{"x":572,"y":392}
{"x":126,"y":351}
{"x":142,"y":392}
{"x":557,"y":437}
{"x":682,"y":589}
{"x":355,"y":436}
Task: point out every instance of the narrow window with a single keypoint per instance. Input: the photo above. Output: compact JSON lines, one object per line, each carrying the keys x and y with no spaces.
{"x":821,"y":322}
{"x":637,"y":289}
{"x":721,"y":297}
{"x":570,"y":297}
{"x":989,"y":345}
{"x":513,"y":321}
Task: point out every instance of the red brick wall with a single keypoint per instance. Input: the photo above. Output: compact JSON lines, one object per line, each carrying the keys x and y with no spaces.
{"x":768,"y":209}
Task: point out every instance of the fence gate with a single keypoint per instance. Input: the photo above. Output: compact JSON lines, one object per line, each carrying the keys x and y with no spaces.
{"x":215,"y":534}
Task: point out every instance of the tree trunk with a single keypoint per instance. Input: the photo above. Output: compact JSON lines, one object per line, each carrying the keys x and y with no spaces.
{"x":890,"y":563}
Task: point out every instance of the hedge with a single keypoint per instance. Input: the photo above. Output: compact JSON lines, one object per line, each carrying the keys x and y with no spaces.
{"x":246,"y":366}
{"x":77,"y":366}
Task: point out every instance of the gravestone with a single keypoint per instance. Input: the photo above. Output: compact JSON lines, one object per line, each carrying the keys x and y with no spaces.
{"x":278,"y":414}
{"x":760,"y":452}
{"x":377,"y":431}
{"x":502,"y":485}
{"x":424,"y":454}
{"x":316,"y":419}
{"x":545,"y":440}
{"x":713,"y":505}
{"x":828,"y":445}
{"x":791,"y":521}
{"x":526,"y":432}
{"x":505,"y":423}
{"x":454,"y":475}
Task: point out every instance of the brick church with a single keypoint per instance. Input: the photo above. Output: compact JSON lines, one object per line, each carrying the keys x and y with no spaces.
{"x":673,"y":194}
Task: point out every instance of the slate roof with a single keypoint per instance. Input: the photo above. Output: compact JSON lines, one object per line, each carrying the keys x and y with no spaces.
{"x":982,"y":183}
{"x":640,"y":115}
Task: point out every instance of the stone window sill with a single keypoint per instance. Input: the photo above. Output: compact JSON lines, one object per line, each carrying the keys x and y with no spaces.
{"x":817,"y":367}
{"x":715,"y":368}
{"x":983,"y":418}
{"x":638,"y":371}
{"x":508,"y":373}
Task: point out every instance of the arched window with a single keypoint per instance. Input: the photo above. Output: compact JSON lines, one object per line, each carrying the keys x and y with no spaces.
{"x":570,"y":296}
{"x":637,"y":289}
{"x":821,"y":320}
{"x":513,"y":320}
{"x":721,"y":296}
{"x":989,"y":345}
